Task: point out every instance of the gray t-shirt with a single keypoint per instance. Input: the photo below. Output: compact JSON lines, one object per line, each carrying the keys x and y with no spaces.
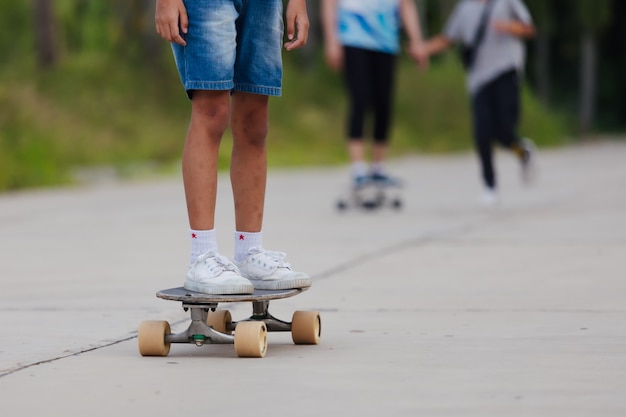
{"x":498,"y":52}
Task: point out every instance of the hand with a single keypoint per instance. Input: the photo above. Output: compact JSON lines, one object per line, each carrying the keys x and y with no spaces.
{"x":514,"y":28}
{"x":419,"y":52}
{"x":297,"y":24}
{"x":171,"y":19}
{"x":333,"y":51}
{"x":503,"y":26}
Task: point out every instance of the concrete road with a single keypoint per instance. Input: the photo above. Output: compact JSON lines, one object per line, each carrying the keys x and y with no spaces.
{"x":440,"y":309}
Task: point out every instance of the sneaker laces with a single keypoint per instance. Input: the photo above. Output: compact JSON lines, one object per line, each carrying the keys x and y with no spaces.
{"x":276,"y":258}
{"x":217,"y":263}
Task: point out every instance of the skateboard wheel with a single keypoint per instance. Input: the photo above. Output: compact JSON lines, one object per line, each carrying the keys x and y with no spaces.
{"x":306,"y":327}
{"x":151,"y":338}
{"x":251,"y":339}
{"x":220,"y":320}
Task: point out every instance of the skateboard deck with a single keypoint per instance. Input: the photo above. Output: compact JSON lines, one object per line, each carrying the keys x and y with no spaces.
{"x":212,"y":326}
{"x":192,"y":297}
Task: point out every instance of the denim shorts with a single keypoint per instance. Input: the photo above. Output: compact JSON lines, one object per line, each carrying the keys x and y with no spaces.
{"x":233,"y":45}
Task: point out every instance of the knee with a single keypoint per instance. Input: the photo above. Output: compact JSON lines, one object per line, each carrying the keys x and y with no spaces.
{"x":211,"y":114}
{"x":250,"y":134}
{"x":250,"y":125}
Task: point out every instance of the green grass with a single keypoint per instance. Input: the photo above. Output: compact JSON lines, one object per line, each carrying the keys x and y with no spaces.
{"x":92,"y":112}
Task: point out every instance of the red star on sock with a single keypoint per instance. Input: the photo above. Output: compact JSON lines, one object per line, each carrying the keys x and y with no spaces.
{"x":242,"y":237}
{"x":194,"y":236}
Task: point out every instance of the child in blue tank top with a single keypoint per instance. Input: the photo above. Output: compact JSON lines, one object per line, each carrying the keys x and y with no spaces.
{"x":362,"y":40}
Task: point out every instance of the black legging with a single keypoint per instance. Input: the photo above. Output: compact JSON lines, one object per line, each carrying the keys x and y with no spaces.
{"x":369,"y":78}
{"x":496,"y":110}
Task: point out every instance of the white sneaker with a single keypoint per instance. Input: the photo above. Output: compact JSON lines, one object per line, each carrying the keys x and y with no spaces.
{"x":267,"y":270}
{"x":489,"y":198}
{"x":215,"y":274}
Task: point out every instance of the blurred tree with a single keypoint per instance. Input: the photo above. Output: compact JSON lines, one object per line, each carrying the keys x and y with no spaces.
{"x":542,"y":16}
{"x":87,"y":26}
{"x":16,"y":43}
{"x":611,"y":89}
{"x":45,"y":33}
{"x":309,"y":53}
{"x":594,"y":17}
{"x":137,"y":38}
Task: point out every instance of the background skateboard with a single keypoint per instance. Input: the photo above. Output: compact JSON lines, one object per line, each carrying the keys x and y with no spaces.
{"x":372,"y":195}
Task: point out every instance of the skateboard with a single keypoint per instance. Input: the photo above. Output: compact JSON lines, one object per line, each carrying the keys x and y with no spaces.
{"x":372,"y":195}
{"x":212,"y":326}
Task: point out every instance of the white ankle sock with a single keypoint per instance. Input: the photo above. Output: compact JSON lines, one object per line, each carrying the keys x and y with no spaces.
{"x":358,"y":169}
{"x":378,"y":168}
{"x":202,"y":241}
{"x":244,"y":241}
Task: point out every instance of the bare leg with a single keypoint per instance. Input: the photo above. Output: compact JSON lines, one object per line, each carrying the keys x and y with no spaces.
{"x":380,"y":152}
{"x":209,"y":120}
{"x":248,"y":174}
{"x":356,"y":150}
{"x":248,"y":169}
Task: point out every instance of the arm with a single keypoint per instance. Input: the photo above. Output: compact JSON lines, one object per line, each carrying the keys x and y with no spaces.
{"x":438,"y":44}
{"x":297,"y":24}
{"x":171,"y":18}
{"x":411,"y":23}
{"x":515,"y":28}
{"x":519,"y":24}
{"x":333,"y":51}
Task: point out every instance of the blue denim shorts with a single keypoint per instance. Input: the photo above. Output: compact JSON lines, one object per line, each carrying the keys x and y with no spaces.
{"x":233,"y":45}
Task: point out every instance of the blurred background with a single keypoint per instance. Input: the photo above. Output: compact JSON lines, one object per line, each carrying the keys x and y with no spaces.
{"x":88,"y":90}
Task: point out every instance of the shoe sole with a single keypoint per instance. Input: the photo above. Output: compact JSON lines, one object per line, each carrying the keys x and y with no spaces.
{"x":281,"y":284}
{"x":219,"y":289}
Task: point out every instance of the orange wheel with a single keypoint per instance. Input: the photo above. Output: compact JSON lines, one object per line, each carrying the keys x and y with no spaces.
{"x":251,"y":339}
{"x":306,"y":327}
{"x":151,"y":338}
{"x":220,"y":320}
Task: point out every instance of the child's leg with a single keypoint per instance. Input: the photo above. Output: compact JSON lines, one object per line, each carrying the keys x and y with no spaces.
{"x":258,"y":74}
{"x":383,"y":81}
{"x":209,"y":120}
{"x":507,"y":109}
{"x":483,"y":126}
{"x":208,"y":272}
{"x":383,"y":84}
{"x":249,"y":125}
{"x":357,"y":76}
{"x":205,"y":67}
{"x":248,"y":173}
{"x":358,"y":81}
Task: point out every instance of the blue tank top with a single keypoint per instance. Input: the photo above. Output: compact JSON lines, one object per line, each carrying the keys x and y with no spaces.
{"x":369,"y":24}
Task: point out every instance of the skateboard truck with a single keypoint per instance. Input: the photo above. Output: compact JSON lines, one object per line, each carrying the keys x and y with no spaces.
{"x":199,"y":331}
{"x":260,"y":311}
